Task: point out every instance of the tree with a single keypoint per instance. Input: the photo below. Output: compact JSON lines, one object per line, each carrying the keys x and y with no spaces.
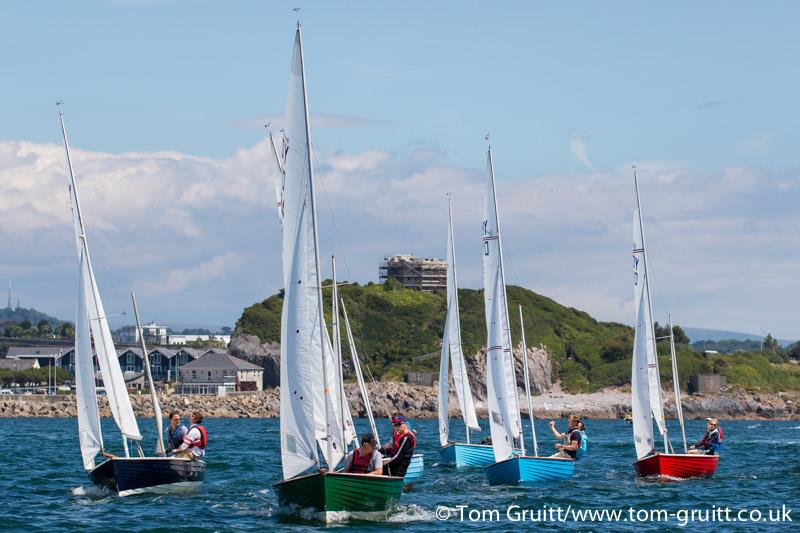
{"x":679,"y":335}
{"x":226,"y":330}
{"x":44,"y":328}
{"x":26,"y":324}
{"x":770,"y":344}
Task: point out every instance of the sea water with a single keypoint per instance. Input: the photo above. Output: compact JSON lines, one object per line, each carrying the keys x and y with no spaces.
{"x":43,"y":486}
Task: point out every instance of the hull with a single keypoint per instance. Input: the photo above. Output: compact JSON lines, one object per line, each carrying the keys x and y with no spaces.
{"x":677,"y":466}
{"x":467,"y":455}
{"x":524,"y":470}
{"x":333,"y":496}
{"x":134,"y":475}
{"x":415,"y":469}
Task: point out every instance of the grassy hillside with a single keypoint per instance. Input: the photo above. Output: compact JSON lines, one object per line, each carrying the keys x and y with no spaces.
{"x":20,"y":315}
{"x":393,"y":326}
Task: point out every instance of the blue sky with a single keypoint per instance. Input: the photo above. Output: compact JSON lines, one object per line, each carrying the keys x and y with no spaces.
{"x":699,"y":94}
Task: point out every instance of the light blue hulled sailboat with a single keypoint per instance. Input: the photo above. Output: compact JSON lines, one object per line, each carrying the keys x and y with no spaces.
{"x":456,"y":453}
{"x":510,"y":467}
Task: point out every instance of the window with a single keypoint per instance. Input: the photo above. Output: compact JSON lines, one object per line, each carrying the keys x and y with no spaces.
{"x":194,"y":375}
{"x":209,"y":375}
{"x":131,"y":363}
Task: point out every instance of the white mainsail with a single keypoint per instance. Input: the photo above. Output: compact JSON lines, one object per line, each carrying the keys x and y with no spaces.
{"x":118,"y":400}
{"x":90,"y":435}
{"x":501,"y":385}
{"x":452,"y":352}
{"x":649,"y":338}
{"x":642,"y":419}
{"x":308,"y":373}
{"x":676,"y":384}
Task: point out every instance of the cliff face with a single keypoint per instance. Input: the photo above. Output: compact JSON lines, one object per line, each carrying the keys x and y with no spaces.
{"x":266,"y":355}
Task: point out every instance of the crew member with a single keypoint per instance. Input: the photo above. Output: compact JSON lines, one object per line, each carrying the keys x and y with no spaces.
{"x":398,"y":452}
{"x":575,"y":441}
{"x":366,"y":459}
{"x":712,"y":440}
{"x":196,"y":439}
{"x":175,"y":431}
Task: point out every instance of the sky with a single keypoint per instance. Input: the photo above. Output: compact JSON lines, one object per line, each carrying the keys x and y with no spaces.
{"x":166,"y":101}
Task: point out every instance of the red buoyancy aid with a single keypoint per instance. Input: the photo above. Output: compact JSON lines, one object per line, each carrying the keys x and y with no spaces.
{"x":397,"y":438}
{"x":203,"y":436}
{"x":360,"y":462}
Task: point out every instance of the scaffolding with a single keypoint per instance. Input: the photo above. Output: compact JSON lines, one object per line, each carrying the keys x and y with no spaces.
{"x":412,"y":272}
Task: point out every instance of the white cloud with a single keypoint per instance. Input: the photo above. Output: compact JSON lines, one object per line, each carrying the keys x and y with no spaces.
{"x":201,"y":236}
{"x":578,"y":149}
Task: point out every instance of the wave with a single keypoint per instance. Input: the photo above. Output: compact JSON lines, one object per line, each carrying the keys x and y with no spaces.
{"x":411,"y":513}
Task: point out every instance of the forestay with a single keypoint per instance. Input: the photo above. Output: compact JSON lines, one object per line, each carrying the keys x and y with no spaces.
{"x":503,"y":402}
{"x":452,"y":353}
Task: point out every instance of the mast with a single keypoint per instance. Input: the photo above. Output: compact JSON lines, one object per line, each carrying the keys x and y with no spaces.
{"x":326,"y":393}
{"x":505,"y":301}
{"x":651,"y":329}
{"x":337,"y":350}
{"x":527,"y":383}
{"x":676,"y":384}
{"x":148,"y":374}
{"x":360,"y":376}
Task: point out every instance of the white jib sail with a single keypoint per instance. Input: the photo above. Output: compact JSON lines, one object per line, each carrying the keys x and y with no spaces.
{"x":117,"y":393}
{"x":452,"y":353}
{"x":307,"y":406}
{"x":362,"y":387}
{"x":640,"y":262}
{"x":503,"y":401}
{"x":642,"y":419}
{"x":90,"y":435}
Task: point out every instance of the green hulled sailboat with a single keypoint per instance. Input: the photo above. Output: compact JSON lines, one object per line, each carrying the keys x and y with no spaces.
{"x":315,"y":422}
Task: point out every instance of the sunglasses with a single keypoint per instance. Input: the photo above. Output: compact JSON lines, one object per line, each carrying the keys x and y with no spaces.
{"x":397,"y":423}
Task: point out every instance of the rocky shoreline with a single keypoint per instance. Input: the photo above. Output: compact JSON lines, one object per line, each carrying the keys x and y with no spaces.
{"x":419,"y":401}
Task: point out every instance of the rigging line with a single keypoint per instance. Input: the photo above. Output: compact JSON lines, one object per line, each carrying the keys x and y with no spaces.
{"x":321,"y":180}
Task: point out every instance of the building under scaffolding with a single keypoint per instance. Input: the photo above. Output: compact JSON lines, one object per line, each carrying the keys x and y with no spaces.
{"x":415,"y":273}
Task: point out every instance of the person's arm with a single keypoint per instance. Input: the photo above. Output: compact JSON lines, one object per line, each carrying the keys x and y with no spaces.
{"x":556,"y":434}
{"x":403,"y":443}
{"x":377,"y":461}
{"x":187,"y":441}
{"x":348,"y":462}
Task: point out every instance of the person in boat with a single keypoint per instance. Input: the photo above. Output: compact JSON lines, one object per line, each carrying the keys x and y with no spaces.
{"x":397,"y":453}
{"x":175,"y":431}
{"x":366,"y":459}
{"x":575,"y":441}
{"x":194,"y":443}
{"x":712,"y":440}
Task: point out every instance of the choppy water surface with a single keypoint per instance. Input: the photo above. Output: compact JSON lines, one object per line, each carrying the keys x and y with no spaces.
{"x":44,"y":488}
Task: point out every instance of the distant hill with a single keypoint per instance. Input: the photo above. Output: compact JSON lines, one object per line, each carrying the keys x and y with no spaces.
{"x":393,"y":327}
{"x":702,"y":334}
{"x":20,"y":314}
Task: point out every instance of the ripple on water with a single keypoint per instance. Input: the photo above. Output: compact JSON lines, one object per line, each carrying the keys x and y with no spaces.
{"x":244,"y":461}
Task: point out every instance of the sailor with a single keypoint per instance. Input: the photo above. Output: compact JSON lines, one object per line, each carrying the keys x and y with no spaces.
{"x":575,"y":440}
{"x":196,"y":439}
{"x":175,"y":431}
{"x":366,"y":459}
{"x":712,"y":440}
{"x":397,"y":453}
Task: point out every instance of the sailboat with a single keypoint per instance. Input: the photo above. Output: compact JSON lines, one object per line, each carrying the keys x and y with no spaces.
{"x":311,"y":411}
{"x":646,"y":399}
{"x":124,"y":475}
{"x":509,"y":467}
{"x":456,"y":453}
